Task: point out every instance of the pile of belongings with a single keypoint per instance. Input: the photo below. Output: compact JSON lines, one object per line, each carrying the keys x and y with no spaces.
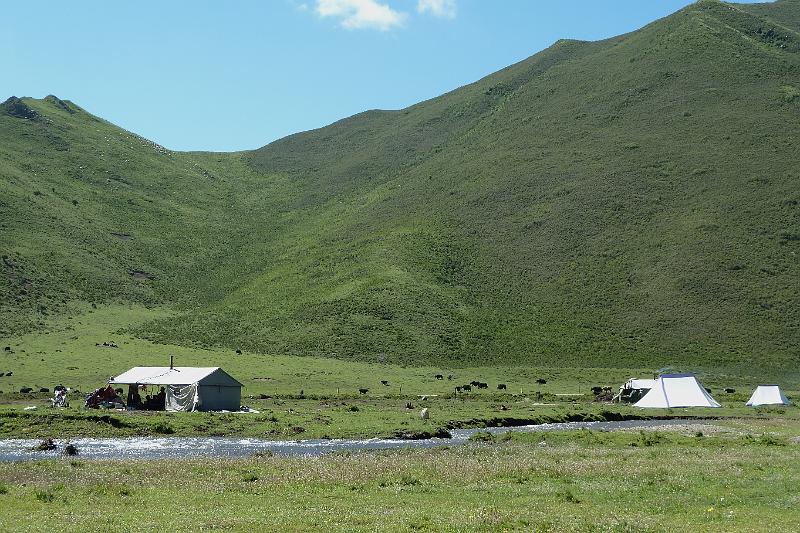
{"x":105,"y":397}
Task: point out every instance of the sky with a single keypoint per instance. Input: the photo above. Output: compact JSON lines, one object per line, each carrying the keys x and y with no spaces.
{"x":235,"y":75}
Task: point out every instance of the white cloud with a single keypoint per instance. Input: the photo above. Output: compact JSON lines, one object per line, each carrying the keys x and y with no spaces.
{"x":361,"y":14}
{"x":438,"y":8}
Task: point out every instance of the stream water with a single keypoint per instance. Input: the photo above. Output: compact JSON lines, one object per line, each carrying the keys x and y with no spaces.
{"x":192,"y":447}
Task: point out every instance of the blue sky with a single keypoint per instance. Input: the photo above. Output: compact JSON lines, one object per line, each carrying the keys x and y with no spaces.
{"x":214,"y":75}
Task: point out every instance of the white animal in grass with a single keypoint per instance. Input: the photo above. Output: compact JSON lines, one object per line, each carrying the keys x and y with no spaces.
{"x":424,"y":414}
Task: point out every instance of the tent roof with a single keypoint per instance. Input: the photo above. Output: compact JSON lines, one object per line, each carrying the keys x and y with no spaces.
{"x":179,"y":375}
{"x":634,"y":383}
{"x":677,"y":390}
{"x":767,"y":395}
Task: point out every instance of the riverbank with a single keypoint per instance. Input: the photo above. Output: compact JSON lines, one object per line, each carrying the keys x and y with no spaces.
{"x":740,"y":477}
{"x":149,"y":448}
{"x":292,"y":418}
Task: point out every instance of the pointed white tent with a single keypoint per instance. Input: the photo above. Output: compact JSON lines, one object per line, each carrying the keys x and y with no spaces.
{"x":677,"y":390}
{"x":767,"y":395}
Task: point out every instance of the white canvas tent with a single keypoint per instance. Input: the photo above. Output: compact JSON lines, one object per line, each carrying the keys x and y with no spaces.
{"x":677,"y":390}
{"x":767,"y":395}
{"x":188,"y":388}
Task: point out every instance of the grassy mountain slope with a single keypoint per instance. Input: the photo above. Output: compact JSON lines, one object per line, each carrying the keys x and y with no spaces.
{"x":629,"y":201}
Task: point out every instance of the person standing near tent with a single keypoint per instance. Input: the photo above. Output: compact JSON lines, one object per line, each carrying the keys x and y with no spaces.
{"x":134,"y":400}
{"x":160,"y":399}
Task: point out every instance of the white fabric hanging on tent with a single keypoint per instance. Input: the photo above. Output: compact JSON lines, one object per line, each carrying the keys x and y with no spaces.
{"x":677,"y":390}
{"x":767,"y":395}
{"x":180,"y":398}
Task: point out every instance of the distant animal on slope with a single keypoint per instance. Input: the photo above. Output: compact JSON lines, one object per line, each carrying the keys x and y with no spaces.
{"x":439,"y":376}
{"x":501,"y":386}
{"x":363,"y":391}
{"x":385,"y":383}
{"x":730,"y":391}
{"x":424,"y":414}
{"x":482,"y":385}
{"x":541,"y":381}
{"x":466,"y":387}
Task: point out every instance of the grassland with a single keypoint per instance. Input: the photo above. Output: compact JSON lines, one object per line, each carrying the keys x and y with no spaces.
{"x":307,"y":397}
{"x":624,"y":203}
{"x":738,"y":477}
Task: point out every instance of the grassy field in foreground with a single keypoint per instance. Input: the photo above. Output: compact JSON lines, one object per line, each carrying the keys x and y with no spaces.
{"x":737,"y":478}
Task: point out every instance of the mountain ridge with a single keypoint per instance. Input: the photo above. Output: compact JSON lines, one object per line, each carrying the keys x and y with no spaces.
{"x":627,"y":200}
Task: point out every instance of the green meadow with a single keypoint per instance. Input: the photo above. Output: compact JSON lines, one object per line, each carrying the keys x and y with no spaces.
{"x":307,"y":397}
{"x":722,"y":477}
{"x":596,"y":212}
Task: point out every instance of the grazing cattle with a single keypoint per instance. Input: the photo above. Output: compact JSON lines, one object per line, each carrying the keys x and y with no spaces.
{"x":44,"y":389}
{"x":385,"y":383}
{"x":501,"y":386}
{"x":730,"y":391}
{"x":238,"y":351}
{"x":25,"y":390}
{"x":424,"y":414}
{"x":482,"y":385}
{"x":541,"y":381}
{"x":363,"y":391}
{"x":597,"y":390}
{"x":466,"y":387}
{"x":459,"y":389}
{"x":2,"y":374}
{"x":474,"y":383}
{"x":439,"y":376}
{"x":409,"y":405}
{"x":7,"y":348}
{"x":9,"y":374}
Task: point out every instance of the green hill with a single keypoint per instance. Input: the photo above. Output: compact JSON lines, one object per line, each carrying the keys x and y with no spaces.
{"x":632,"y":201}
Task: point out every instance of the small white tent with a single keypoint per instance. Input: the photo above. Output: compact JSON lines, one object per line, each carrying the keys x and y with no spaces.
{"x":188,"y":388}
{"x":677,"y":390}
{"x":767,"y":395}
